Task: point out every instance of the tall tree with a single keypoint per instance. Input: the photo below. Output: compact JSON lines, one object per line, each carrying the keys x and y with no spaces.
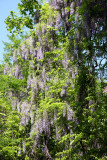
{"x":57,"y":94}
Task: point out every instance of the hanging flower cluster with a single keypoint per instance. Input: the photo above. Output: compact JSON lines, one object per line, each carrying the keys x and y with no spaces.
{"x":6,"y":69}
{"x":25,"y":110}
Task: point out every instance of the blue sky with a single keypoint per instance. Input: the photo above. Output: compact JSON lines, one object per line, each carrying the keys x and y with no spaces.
{"x":5,"y":7}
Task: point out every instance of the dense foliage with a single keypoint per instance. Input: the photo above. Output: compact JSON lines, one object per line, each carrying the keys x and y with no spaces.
{"x":53,"y":82}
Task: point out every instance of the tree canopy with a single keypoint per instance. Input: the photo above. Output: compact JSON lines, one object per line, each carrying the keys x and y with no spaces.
{"x":53,"y":82}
